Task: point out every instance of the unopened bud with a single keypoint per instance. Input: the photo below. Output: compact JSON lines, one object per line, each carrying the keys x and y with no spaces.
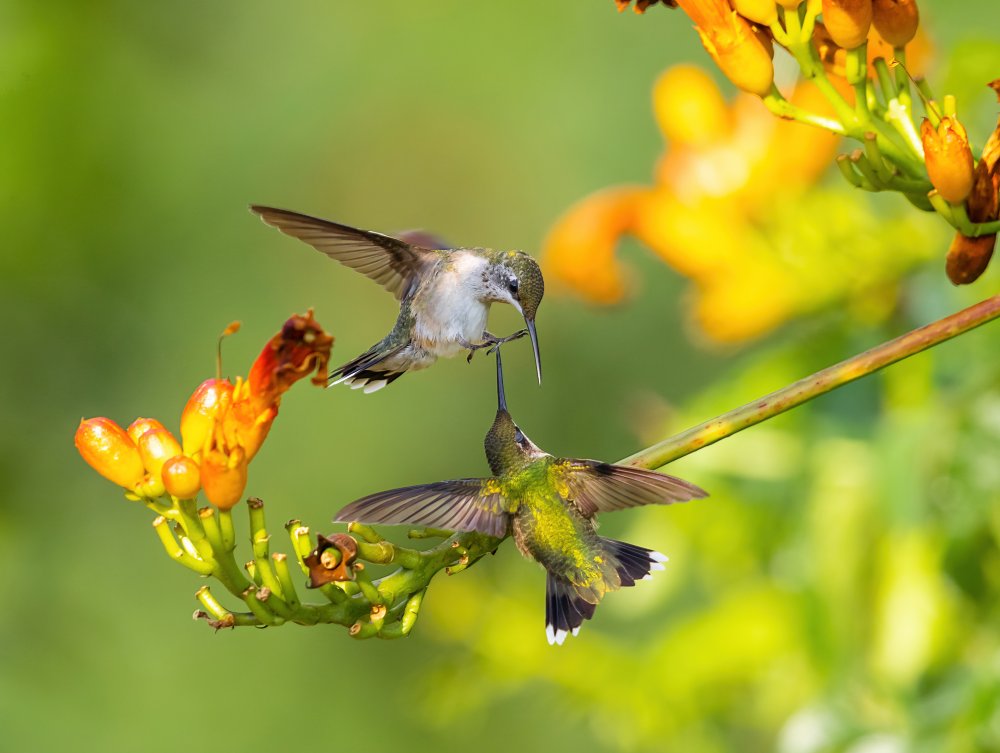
{"x":198,"y":419}
{"x":759,"y":11}
{"x":181,"y":477}
{"x":948,"y":158}
{"x":848,"y":21}
{"x":896,"y":20}
{"x":110,"y":451}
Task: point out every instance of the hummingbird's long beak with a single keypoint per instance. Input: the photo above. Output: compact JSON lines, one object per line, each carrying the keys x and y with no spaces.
{"x":501,"y":397}
{"x":534,"y":346}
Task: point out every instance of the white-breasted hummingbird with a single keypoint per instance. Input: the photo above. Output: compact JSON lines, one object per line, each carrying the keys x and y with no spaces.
{"x":548,"y":504}
{"x":444,"y":294}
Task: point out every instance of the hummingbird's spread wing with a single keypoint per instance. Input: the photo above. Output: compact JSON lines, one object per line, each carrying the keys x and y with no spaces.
{"x":601,"y":487}
{"x":468,"y":504}
{"x":389,"y":261}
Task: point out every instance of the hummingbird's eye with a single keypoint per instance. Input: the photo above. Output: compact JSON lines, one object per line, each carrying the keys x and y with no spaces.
{"x":512,"y":287}
{"x":518,"y":436}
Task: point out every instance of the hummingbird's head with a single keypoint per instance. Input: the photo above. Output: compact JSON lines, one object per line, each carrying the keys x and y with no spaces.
{"x":517,"y":279}
{"x":507,"y":447}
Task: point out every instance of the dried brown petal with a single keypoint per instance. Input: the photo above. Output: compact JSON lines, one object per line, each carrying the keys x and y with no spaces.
{"x":326,"y":569}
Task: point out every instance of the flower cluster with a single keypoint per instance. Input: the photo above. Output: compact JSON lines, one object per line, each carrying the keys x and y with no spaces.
{"x":222,"y":426}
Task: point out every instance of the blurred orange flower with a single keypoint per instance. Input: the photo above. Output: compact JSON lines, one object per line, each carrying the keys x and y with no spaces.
{"x":723,"y":169}
{"x":222,"y":426}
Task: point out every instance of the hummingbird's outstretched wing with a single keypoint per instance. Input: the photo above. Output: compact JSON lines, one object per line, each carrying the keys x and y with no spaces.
{"x":467,"y":504}
{"x":389,"y":261}
{"x":601,"y":487}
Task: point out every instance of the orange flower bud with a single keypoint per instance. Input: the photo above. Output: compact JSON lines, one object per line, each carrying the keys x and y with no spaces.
{"x":224,"y":477}
{"x":731,"y":42}
{"x":156,"y":447}
{"x":948,"y":158}
{"x":181,"y":477}
{"x":140,"y":426}
{"x":759,"y":11}
{"x":896,"y":20}
{"x":848,"y":21}
{"x":789,"y":4}
{"x":689,"y":107}
{"x":198,"y":419}
{"x":108,"y":449}
{"x":968,"y":257}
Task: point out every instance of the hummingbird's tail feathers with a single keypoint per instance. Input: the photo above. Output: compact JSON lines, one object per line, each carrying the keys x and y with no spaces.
{"x":603,"y":487}
{"x":367,"y":372}
{"x":565,"y":610}
{"x":468,"y":504}
{"x":633,"y":563}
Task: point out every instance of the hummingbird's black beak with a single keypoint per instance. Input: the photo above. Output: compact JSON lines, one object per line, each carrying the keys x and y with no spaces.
{"x":501,"y":397}
{"x":534,"y":346}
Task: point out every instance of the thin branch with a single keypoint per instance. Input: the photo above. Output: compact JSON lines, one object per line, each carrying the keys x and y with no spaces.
{"x":821,"y":382}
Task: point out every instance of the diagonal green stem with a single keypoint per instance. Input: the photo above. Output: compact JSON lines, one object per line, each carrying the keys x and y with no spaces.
{"x":821,"y":382}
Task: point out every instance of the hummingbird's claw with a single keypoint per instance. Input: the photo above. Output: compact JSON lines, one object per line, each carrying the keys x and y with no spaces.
{"x":491,"y":342}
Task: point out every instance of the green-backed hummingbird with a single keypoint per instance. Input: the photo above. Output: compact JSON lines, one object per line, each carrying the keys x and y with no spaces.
{"x":548,"y":504}
{"x":445,"y":294}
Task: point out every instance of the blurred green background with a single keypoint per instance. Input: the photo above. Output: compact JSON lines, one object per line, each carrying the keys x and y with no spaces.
{"x":837,"y":592}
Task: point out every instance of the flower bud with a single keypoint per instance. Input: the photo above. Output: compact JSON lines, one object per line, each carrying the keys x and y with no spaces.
{"x":896,"y":20}
{"x":108,"y":449}
{"x":205,"y":406}
{"x":140,"y":426}
{"x":948,"y":158}
{"x":848,"y":21}
{"x":181,"y":477}
{"x":759,"y":11}
{"x":224,"y":477}
{"x":789,"y":4}
{"x":156,"y":447}
{"x":968,"y":257}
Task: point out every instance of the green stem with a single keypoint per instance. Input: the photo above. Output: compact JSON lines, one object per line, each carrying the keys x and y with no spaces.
{"x":818,"y":384}
{"x":781,"y":107}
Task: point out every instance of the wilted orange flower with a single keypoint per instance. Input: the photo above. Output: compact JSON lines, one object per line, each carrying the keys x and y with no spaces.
{"x":222,"y":426}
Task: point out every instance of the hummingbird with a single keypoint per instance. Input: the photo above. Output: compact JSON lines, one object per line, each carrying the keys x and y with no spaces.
{"x":444,"y":294}
{"x":548,"y":504}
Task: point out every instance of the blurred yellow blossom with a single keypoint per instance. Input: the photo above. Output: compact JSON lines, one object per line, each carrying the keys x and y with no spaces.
{"x":728,"y":210}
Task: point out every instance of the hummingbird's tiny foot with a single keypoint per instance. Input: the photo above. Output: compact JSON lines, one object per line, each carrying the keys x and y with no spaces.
{"x":498,"y":341}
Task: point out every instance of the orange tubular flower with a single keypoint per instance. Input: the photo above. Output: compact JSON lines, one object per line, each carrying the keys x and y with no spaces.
{"x":896,"y":20}
{"x":731,"y":42}
{"x":759,"y":11}
{"x":110,"y":451}
{"x":848,"y":21}
{"x":223,"y":425}
{"x":948,"y":158}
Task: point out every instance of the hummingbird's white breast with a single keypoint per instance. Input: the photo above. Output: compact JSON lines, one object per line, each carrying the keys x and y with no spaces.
{"x":451,"y":308}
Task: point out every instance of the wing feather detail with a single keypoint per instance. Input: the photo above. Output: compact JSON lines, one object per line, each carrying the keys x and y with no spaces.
{"x":388,"y":261}
{"x":602,"y":487}
{"x":470,"y":504}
